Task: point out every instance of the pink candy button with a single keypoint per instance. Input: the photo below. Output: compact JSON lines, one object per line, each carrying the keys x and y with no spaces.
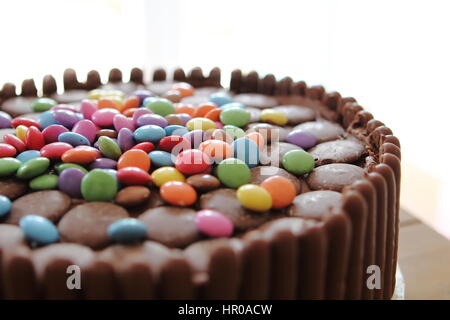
{"x":86,"y":128}
{"x":104,"y":117}
{"x":120,"y":121}
{"x":213,"y":223}
{"x":140,"y":112}
{"x":87,"y":108}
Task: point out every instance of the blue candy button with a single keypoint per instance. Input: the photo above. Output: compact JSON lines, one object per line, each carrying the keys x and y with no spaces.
{"x":5,"y":206}
{"x":246,"y":150}
{"x":73,"y":139}
{"x":39,"y":230}
{"x":28,"y":155}
{"x":161,"y":158}
{"x":127,"y":230}
{"x":150,"y":133}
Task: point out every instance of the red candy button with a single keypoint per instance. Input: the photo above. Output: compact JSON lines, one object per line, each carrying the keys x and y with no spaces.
{"x":51,"y":133}
{"x":7,"y":150}
{"x":25,"y":122}
{"x":55,"y":150}
{"x":192,"y":161}
{"x":133,"y":176}
{"x":168,"y":143}
{"x":34,"y":140}
{"x":15,"y":142}
{"x":145,"y":146}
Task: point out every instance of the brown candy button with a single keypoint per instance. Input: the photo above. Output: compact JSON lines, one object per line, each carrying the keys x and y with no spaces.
{"x":12,"y":188}
{"x":18,"y":106}
{"x":255,"y":100}
{"x":338,"y":151}
{"x":132,"y":196}
{"x":334,"y":176}
{"x":174,"y":119}
{"x":171,"y":226}
{"x":226,"y":202}
{"x":107,"y":133}
{"x":88,"y":223}
{"x":153,"y":201}
{"x":160,"y":87}
{"x":261,"y":173}
{"x":49,"y":204}
{"x":297,"y":114}
{"x":315,"y":204}
{"x":323,"y":130}
{"x":70,"y":96}
{"x":3,"y":132}
{"x":273,"y":153}
{"x":270,"y":132}
{"x":203,"y":182}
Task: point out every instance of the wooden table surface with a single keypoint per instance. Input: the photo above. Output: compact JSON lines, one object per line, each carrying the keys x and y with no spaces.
{"x":424,"y":259}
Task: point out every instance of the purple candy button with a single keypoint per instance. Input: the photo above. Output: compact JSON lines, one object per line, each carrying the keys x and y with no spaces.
{"x":103,"y":163}
{"x":5,"y":120}
{"x":66,"y":118}
{"x":195,"y":137}
{"x":302,"y":138}
{"x":142,"y":94}
{"x":125,"y":139}
{"x":69,"y":182}
{"x":152,"y":119}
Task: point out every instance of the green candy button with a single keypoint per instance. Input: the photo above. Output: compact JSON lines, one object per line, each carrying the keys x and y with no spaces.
{"x":109,"y":148}
{"x":298,"y":162}
{"x":160,"y":106}
{"x":235,"y":116}
{"x":44,"y":182}
{"x":33,"y":168}
{"x":233,"y":172}
{"x":9,"y":166}
{"x":43,"y":104}
{"x":60,"y":167}
{"x":98,"y":185}
{"x":234,"y":131}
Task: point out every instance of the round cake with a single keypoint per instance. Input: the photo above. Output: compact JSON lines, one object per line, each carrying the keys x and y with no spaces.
{"x":179,"y":188}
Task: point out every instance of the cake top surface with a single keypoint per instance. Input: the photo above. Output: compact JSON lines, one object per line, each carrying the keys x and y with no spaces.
{"x":169,"y":163}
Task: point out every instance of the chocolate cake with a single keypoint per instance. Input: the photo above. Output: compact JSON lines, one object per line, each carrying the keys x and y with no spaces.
{"x":220,"y":227}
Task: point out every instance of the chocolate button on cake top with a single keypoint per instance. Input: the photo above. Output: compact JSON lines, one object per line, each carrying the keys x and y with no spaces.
{"x":226,"y":202}
{"x":334,"y":176}
{"x":270,"y":132}
{"x":88,"y":223}
{"x":48,"y":204}
{"x":315,"y":204}
{"x":12,"y":188}
{"x":323,"y":130}
{"x":255,"y":100}
{"x":297,"y":114}
{"x":172,"y":226}
{"x":344,"y":151}
{"x":261,"y":173}
{"x":70,"y":96}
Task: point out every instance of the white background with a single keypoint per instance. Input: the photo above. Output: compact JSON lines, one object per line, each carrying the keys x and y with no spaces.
{"x":393,"y":56}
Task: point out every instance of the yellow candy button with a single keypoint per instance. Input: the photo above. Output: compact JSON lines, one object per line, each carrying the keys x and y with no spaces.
{"x":200,"y":124}
{"x":166,"y":174}
{"x":273,"y":116}
{"x":254,"y":197}
{"x":21,"y":132}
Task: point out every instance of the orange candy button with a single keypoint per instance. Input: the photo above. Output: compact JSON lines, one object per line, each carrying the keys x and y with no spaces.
{"x":217,"y":149}
{"x":131,"y":102}
{"x":184,"y":88}
{"x":185,"y":108}
{"x":129,"y":112}
{"x":257,"y":137}
{"x":178,"y":193}
{"x":107,"y":103}
{"x":134,"y":158}
{"x":281,"y":189}
{"x":204,"y":108}
{"x":214,"y":114}
{"x":80,"y":155}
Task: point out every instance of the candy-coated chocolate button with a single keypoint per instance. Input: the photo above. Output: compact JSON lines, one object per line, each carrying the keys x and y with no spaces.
{"x":145,"y":146}
{"x":104,"y":117}
{"x":109,"y":148}
{"x":80,"y":155}
{"x":34,"y":140}
{"x":160,"y":106}
{"x":213,"y":223}
{"x":220,"y":98}
{"x":298,"y":162}
{"x":175,"y":130}
{"x":73,"y":139}
{"x":235,"y":116}
{"x":133,"y":176}
{"x":184,"y":88}
{"x":151,"y":133}
{"x":254,"y":197}
{"x":246,"y":150}
{"x":33,"y":168}
{"x":60,"y":167}
{"x":52,"y":132}
{"x":46,"y":119}
{"x":69,"y":181}
{"x":5,"y":206}
{"x":134,"y":158}
{"x":28,"y":155}
{"x":43,"y":104}
{"x":203,"y":182}
{"x":132,"y":196}
{"x":44,"y":182}
{"x":39,"y":230}
{"x":7,"y":150}
{"x":5,"y":120}
{"x":55,"y":150}
{"x":234,"y":131}
{"x":273,"y":116}
{"x":161,"y":158}
{"x":98,"y":185}
{"x":65,"y":117}
{"x":302,"y":138}
{"x":233,"y":172}
{"x":21,"y":132}
{"x":217,"y":150}
{"x":200,"y":124}
{"x":178,"y":193}
{"x":192,"y":161}
{"x":14,"y":141}
{"x":127,"y":230}
{"x":86,"y":128}
{"x":166,"y":174}
{"x":151,"y":118}
{"x":26,"y":122}
{"x":103,"y":163}
{"x":281,"y":189}
{"x":9,"y":166}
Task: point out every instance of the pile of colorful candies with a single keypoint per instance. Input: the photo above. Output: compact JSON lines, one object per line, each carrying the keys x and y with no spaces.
{"x":112,"y":146}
